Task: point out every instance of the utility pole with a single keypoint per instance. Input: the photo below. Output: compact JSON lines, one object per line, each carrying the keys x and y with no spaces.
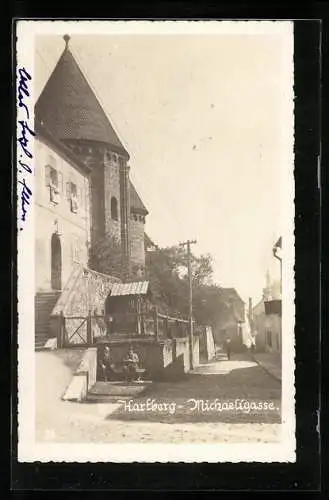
{"x":188,"y":244}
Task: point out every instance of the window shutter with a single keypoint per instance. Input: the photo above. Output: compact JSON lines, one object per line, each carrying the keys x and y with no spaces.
{"x":60,"y":182}
{"x":52,"y":161}
{"x":47,"y":175}
{"x":80,"y":198}
{"x":68,"y":190}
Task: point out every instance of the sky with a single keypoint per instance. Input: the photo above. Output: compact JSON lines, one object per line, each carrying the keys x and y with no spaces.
{"x":203,"y":118}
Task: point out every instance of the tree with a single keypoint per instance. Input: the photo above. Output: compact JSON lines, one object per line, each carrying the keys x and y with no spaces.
{"x":167,"y":272}
{"x":105,"y":256}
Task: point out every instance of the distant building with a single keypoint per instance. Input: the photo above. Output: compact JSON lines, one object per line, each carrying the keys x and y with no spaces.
{"x":230,"y":318}
{"x":267,"y":318}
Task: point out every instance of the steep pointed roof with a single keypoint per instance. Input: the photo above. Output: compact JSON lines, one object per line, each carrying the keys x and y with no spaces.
{"x":70,"y":109}
{"x":136,"y":204}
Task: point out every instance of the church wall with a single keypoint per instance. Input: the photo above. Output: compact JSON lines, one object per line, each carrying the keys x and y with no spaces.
{"x":137,"y":248}
{"x":73,"y":228}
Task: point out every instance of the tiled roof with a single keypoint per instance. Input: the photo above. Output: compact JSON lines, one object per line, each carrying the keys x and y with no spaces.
{"x":137,"y":288}
{"x":70,"y":109}
{"x":231,"y":294}
{"x":136,"y":204}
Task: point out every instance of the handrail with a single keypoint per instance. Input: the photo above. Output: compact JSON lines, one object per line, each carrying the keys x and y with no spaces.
{"x":107,"y":276}
{"x":169,"y":318}
{"x":167,"y":330}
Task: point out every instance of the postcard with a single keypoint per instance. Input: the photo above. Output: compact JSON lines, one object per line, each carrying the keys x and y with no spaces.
{"x":155,"y":218}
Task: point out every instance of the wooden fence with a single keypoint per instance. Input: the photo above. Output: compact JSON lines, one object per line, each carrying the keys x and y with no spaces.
{"x":85,"y":330}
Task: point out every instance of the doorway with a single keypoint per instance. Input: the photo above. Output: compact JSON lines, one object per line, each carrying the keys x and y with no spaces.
{"x":56,"y":263}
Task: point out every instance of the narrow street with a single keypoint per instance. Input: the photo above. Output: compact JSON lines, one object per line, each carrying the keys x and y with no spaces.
{"x":217,"y":402}
{"x":219,"y":391}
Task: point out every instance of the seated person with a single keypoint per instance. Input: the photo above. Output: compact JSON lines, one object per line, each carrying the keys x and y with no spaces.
{"x":130,"y":364}
{"x":106,"y":364}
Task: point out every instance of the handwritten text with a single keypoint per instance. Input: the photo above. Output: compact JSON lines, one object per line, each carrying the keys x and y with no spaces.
{"x":24,"y":134}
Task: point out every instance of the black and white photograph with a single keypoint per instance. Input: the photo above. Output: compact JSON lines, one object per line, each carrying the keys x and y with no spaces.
{"x":155,"y":219}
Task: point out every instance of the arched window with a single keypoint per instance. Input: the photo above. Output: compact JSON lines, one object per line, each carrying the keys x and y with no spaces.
{"x":114,"y":208}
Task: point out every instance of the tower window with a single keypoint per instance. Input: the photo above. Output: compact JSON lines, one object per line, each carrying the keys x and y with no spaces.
{"x":114,"y":208}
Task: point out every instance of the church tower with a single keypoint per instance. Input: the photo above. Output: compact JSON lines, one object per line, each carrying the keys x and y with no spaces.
{"x":72,"y":112}
{"x":138,"y":213}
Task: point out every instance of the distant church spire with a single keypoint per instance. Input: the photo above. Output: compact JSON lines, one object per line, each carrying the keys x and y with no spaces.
{"x":267,"y":289}
{"x":66,"y":40}
{"x":268,"y":279}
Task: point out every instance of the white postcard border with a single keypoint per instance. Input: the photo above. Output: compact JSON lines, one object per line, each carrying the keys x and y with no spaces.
{"x":28,"y":449}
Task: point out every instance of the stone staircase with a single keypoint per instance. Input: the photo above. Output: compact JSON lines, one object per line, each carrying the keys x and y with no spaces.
{"x":111,"y":392}
{"x":44,"y":303}
{"x":220,"y":355}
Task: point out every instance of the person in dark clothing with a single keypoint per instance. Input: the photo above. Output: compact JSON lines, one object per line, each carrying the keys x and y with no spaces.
{"x":228,"y":347}
{"x":131,"y":361}
{"x":106,"y":365}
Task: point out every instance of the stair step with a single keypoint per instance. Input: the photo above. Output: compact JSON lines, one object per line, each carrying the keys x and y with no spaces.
{"x":44,"y":302}
{"x":93,"y":398}
{"x":40,"y":344}
{"x":115,"y":390}
{"x":42,"y":299}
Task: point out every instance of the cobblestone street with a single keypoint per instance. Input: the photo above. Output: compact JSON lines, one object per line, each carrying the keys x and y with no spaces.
{"x":217,"y":402}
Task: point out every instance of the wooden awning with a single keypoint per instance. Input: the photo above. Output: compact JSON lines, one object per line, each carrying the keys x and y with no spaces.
{"x":137,"y":288}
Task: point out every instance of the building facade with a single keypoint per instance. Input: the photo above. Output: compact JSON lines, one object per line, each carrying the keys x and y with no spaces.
{"x":230,"y":320}
{"x":84,"y":193}
{"x":62,"y":219}
{"x":267,"y":320}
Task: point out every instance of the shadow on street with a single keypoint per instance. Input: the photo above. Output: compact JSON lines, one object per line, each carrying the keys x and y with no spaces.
{"x":234,"y":391}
